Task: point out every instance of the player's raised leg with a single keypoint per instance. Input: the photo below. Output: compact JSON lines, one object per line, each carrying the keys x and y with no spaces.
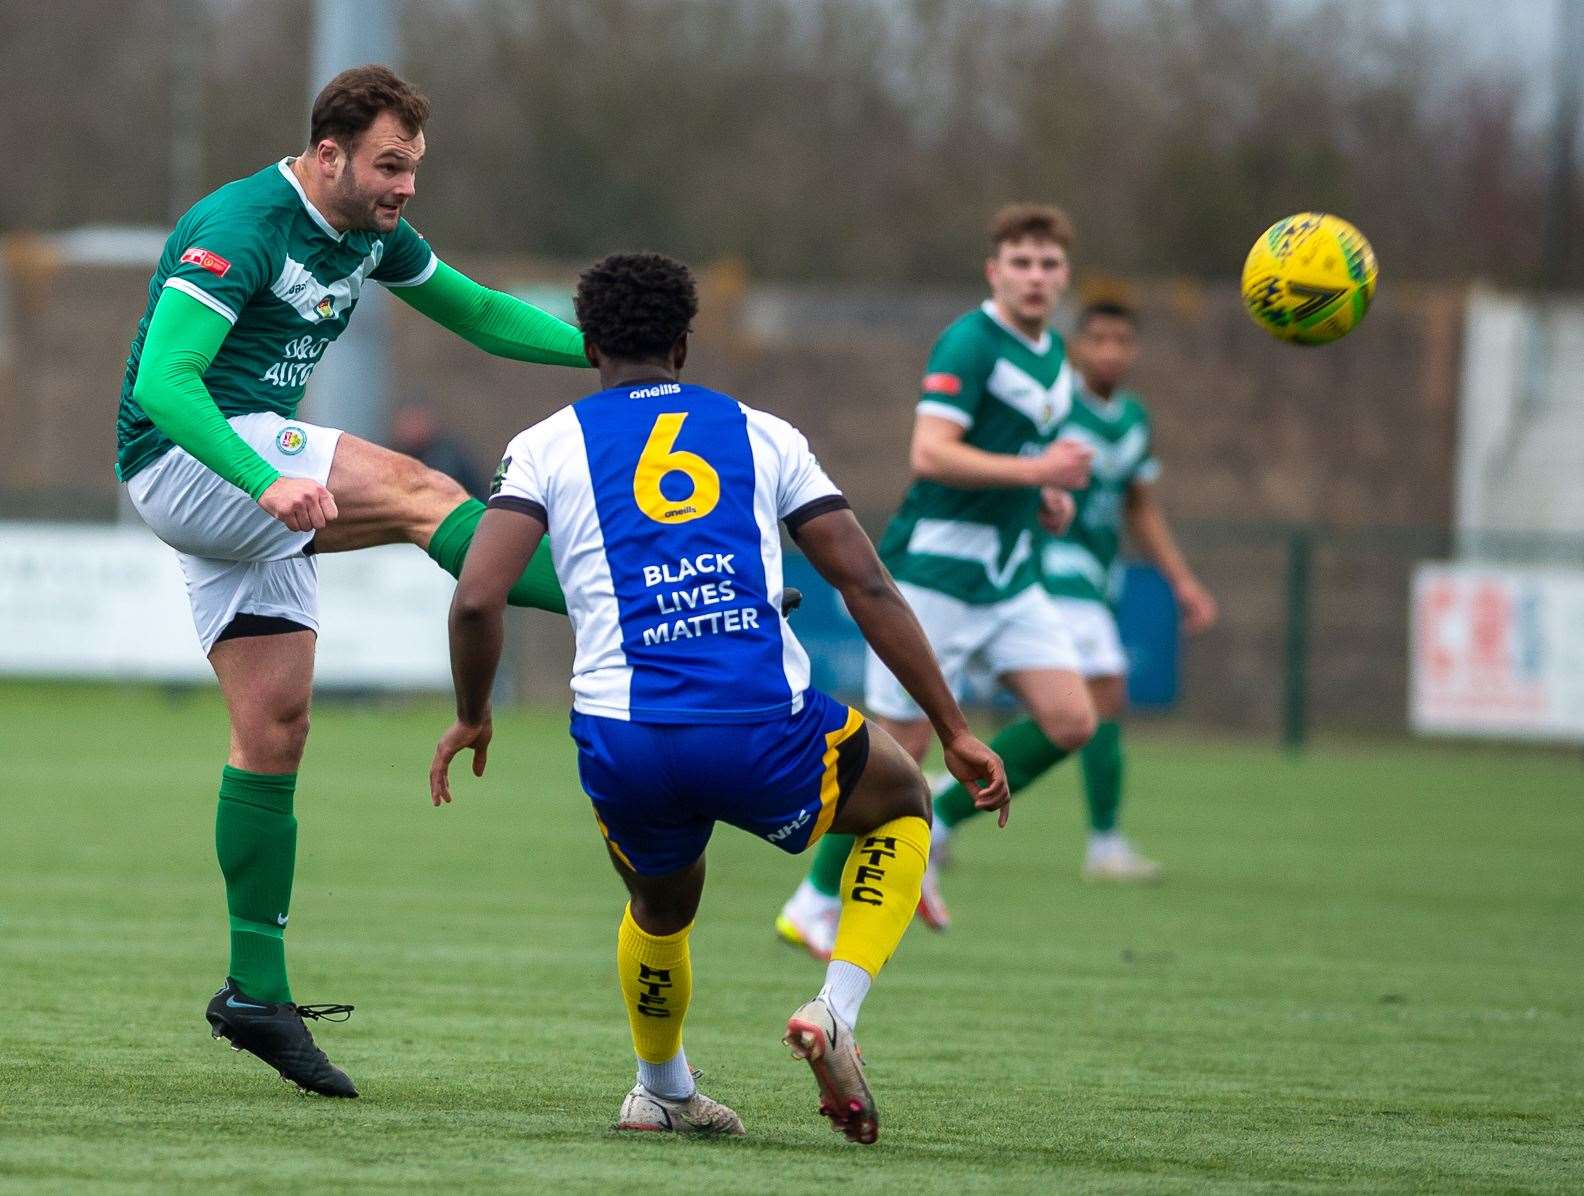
{"x":809,"y":917}
{"x":385,"y":497}
{"x":886,"y":818}
{"x":266,"y":677}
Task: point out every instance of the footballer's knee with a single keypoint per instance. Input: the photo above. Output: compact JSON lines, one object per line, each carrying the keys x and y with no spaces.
{"x":1069,"y":727}
{"x":425,"y":495}
{"x":274,"y":741}
{"x":661,"y":917}
{"x":892,"y":787}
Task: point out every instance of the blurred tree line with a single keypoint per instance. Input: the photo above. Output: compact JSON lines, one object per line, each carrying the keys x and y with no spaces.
{"x":843,"y":139}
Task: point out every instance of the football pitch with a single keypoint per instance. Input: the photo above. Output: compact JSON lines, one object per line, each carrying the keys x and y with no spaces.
{"x":1365,"y":971}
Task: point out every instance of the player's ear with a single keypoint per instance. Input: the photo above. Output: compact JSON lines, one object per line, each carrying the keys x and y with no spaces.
{"x":591,"y":351}
{"x":679,"y":353}
{"x":327,"y":154}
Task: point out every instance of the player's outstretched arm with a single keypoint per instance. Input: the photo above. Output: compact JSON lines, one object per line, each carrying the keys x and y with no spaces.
{"x":501,"y":548}
{"x":496,"y":322}
{"x":940,"y":454}
{"x":837,"y":547}
{"x":1152,"y":535}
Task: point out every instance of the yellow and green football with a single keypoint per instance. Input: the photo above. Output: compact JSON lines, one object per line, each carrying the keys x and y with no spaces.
{"x":1309,"y":278}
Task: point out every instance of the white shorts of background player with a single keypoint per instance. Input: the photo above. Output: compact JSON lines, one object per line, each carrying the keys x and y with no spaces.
{"x":1023,"y":632}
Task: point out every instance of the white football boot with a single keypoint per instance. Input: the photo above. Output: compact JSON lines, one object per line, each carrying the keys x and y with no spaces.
{"x":820,"y":1038}
{"x":1111,"y":857}
{"x":698,"y":1114}
{"x":808,"y":920}
{"x":932,"y":905}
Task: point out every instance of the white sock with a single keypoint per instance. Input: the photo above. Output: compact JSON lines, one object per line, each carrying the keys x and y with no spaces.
{"x":810,"y":902}
{"x":939,"y":833}
{"x":1101,"y":841}
{"x":846,"y":986}
{"x":672,"y":1079}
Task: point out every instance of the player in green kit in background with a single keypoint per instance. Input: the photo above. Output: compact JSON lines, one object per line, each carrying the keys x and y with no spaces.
{"x":987,"y":466}
{"x":254,"y":284}
{"x":1081,"y":574}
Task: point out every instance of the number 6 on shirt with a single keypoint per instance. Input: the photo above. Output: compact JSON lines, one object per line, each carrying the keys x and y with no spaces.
{"x":660,"y":458}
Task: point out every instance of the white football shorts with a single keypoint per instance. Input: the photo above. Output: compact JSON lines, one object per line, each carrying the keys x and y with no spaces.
{"x":236,"y":558}
{"x":1025,"y":631}
{"x":1094,"y":634}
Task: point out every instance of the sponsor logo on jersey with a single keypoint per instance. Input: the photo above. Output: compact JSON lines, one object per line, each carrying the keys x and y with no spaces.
{"x":325,"y":308}
{"x":205,"y":260}
{"x":654,"y":392}
{"x":942,"y":384}
{"x":291,"y":440}
{"x":500,"y":475}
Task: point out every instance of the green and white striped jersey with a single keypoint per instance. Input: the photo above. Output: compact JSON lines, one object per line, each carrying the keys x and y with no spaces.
{"x":257,"y":252}
{"x":1082,"y":562}
{"x":1010,"y":394}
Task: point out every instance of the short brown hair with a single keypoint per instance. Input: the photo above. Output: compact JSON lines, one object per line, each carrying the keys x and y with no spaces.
{"x":353,"y":100}
{"x":1019,"y":220}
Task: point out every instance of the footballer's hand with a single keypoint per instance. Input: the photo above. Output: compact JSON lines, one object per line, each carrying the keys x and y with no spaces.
{"x":302,"y":504}
{"x":460,"y":735}
{"x":1197,"y":607}
{"x":1057,"y":510}
{"x":1064,"y":464}
{"x":981,"y":772}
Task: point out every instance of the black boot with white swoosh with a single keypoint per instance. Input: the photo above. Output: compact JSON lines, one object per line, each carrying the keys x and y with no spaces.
{"x":278,"y":1034}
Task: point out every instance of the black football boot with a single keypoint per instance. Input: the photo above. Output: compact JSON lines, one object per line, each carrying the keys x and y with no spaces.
{"x":278,"y":1034}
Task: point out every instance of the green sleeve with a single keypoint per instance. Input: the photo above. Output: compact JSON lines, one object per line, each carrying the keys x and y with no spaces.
{"x":182,"y":339}
{"x":493,"y":320}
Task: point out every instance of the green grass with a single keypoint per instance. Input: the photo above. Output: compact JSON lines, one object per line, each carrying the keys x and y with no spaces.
{"x":1365,"y":971}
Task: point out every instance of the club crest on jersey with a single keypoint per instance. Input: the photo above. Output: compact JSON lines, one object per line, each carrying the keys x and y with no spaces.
{"x":205,"y":260}
{"x":325,"y":308}
{"x":291,"y":440}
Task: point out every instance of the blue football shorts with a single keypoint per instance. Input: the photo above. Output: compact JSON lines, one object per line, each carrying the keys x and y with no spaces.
{"x":659,"y":788}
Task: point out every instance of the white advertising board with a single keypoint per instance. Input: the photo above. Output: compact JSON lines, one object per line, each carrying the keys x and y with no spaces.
{"x":1498,"y":652}
{"x":98,"y":601}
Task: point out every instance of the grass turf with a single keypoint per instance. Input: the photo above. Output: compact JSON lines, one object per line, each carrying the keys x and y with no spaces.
{"x":1365,"y":971}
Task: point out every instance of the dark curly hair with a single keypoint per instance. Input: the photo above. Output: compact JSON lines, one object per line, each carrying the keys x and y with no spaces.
{"x":635,"y":306}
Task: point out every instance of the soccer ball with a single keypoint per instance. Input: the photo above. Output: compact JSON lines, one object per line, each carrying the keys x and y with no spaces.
{"x":1309,"y":278}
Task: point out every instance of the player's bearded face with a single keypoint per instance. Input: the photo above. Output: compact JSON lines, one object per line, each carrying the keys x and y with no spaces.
{"x":1027,"y":277}
{"x":379,"y":176}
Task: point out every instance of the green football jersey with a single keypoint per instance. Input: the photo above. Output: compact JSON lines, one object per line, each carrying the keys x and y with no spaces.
{"x":260,"y":254}
{"x":1010,"y":394}
{"x":1082,"y":562}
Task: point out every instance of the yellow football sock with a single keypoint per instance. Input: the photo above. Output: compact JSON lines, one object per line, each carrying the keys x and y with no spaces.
{"x":880,"y":891}
{"x":656,"y":977}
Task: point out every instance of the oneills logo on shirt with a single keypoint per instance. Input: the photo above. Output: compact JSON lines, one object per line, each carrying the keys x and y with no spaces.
{"x":205,"y":260}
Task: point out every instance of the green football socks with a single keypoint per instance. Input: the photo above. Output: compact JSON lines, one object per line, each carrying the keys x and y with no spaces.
{"x":256,"y":841}
{"x":536,"y":588}
{"x":1102,"y":774}
{"x":830,"y":857}
{"x":1027,"y":754}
